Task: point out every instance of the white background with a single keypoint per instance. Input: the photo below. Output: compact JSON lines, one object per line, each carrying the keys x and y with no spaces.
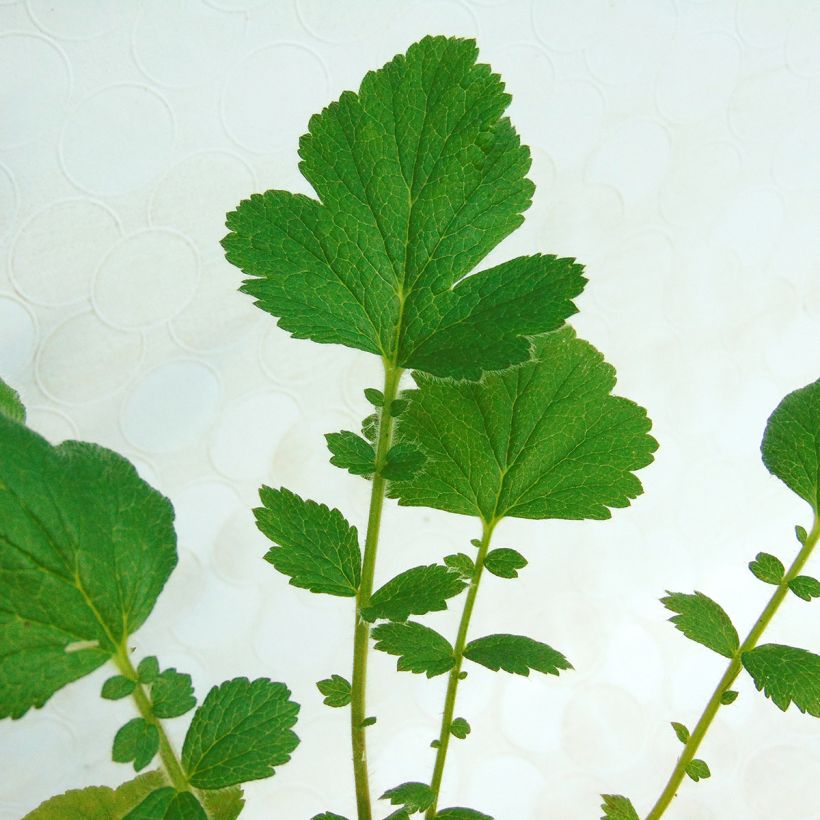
{"x":675,"y":154}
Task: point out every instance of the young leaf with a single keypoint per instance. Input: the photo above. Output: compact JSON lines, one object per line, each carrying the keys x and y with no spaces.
{"x":516,"y":654}
{"x":800,"y":534}
{"x":618,"y":807}
{"x":461,"y":563}
{"x":336,"y":690}
{"x":698,"y":770}
{"x":351,"y":453}
{"x":399,"y":814}
{"x":98,"y":802}
{"x":767,"y":568}
{"x":239,"y":733}
{"x":369,"y":721}
{"x":418,"y":177}
{"x":85,"y":549}
{"x":460,"y":728}
{"x":703,"y":620}
{"x":459,"y":813}
{"x":370,"y":427}
{"x":223,"y":804}
{"x":791,"y":443}
{"x":315,"y":545}
{"x":137,"y":741}
{"x":168,"y":804}
{"x":403,"y":462}
{"x":415,"y":591}
{"x":544,"y":440}
{"x":148,"y":669}
{"x":805,"y":587}
{"x":117,"y":687}
{"x":504,"y":562}
{"x":419,"y":648}
{"x":729,"y":696}
{"x":786,"y":674}
{"x":172,"y":694}
{"x":375,"y":397}
{"x":397,"y":407}
{"x":412,"y":796}
{"x":681,"y":731}
{"x":10,"y":404}
{"x":328,"y":815}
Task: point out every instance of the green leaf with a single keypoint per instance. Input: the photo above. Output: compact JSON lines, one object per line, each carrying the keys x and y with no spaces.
{"x":403,"y":462}
{"x":729,"y":696}
{"x":413,"y":796}
{"x":369,"y":721}
{"x":786,"y":675}
{"x":516,"y":654}
{"x":415,"y":591}
{"x":767,"y":568}
{"x":459,"y":813}
{"x":336,"y":689}
{"x":315,"y":546}
{"x":10,"y":404}
{"x":681,"y":731}
{"x":703,"y":620}
{"x":805,"y":587}
{"x":117,"y":687}
{"x":800,"y":534}
{"x":399,"y":814}
{"x":419,"y":648}
{"x":544,"y":440}
{"x":504,"y":562}
{"x":351,"y":453}
{"x":397,"y":407}
{"x":791,"y":443}
{"x":461,"y":563}
{"x":86,"y":546}
{"x":370,"y":427}
{"x":137,"y":741}
{"x":168,"y":804}
{"x":460,"y":728}
{"x":618,"y":807}
{"x":375,"y":397}
{"x":239,"y":733}
{"x":328,"y":815}
{"x":148,"y":669}
{"x":418,"y":177}
{"x":698,"y":770}
{"x":99,"y":802}
{"x":172,"y":694}
{"x":224,"y":804}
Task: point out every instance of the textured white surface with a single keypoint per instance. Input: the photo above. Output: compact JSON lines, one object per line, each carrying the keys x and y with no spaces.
{"x":675,"y":154}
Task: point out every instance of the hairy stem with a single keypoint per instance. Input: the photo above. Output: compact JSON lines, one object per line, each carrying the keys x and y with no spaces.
{"x":455,"y":672}
{"x":170,"y":761}
{"x":361,"y":640}
{"x":731,"y":673}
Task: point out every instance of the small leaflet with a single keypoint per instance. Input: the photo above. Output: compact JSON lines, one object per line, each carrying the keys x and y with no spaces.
{"x":419,"y":648}
{"x":137,"y":742}
{"x":328,"y":815}
{"x":787,"y":675}
{"x":618,"y":807}
{"x":703,"y":620}
{"x":461,"y":563}
{"x":505,"y":562}
{"x":698,"y":770}
{"x":352,"y":453}
{"x":370,"y":427}
{"x":516,"y":654}
{"x":337,"y":691}
{"x":415,"y":591}
{"x":172,"y":694}
{"x":460,"y":813}
{"x":117,"y":687}
{"x":375,"y":397}
{"x":805,"y":587}
{"x":681,"y":731}
{"x":728,"y":697}
{"x":403,"y":462}
{"x":369,"y":721}
{"x":767,"y":568}
{"x":148,"y":669}
{"x":412,"y":796}
{"x":460,"y":728}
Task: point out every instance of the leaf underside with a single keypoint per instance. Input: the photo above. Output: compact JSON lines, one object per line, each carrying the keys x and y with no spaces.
{"x":418,"y":176}
{"x":703,"y":620}
{"x":787,"y":675}
{"x":516,"y":654}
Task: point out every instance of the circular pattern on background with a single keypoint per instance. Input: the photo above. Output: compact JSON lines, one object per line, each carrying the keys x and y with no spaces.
{"x":51,"y":424}
{"x":802,"y":53}
{"x":146,"y":279}
{"x":117,"y":140}
{"x":345,"y":22}
{"x":84,"y":359}
{"x":8,"y":201}
{"x":795,"y":772}
{"x":261,"y":109}
{"x":18,"y":335}
{"x":36,"y":84}
{"x":568,"y":26}
{"x":58,"y":249}
{"x":171,"y":407}
{"x":751,"y":224}
{"x":98,"y":17}
{"x":522,"y":782}
{"x":763,"y":25}
{"x":180,"y":62}
{"x":796,"y":158}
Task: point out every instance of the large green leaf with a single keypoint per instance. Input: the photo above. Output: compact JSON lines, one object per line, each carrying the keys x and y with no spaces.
{"x":544,"y":440}
{"x":418,"y":177}
{"x":703,"y":620}
{"x":787,"y":675}
{"x":86,"y":546}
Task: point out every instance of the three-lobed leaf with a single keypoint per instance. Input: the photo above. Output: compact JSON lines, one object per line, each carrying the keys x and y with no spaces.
{"x":505,"y":562}
{"x":314,"y":545}
{"x":460,"y":728}
{"x":172,"y":694}
{"x":351,"y":452}
{"x":767,"y":568}
{"x":618,"y":807}
{"x":787,"y":675}
{"x":516,"y":654}
{"x":337,"y":691}
{"x":697,"y":770}
{"x":461,"y":563}
{"x":419,"y":648}
{"x":805,"y":587}
{"x":239,"y":733}
{"x":703,"y":620}
{"x":137,"y":741}
{"x":86,"y":546}
{"x":543,"y":440}
{"x":415,"y":591}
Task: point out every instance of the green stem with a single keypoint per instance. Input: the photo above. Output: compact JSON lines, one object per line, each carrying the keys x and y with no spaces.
{"x":455,"y":672}
{"x":731,"y":673}
{"x":361,"y":640}
{"x":170,"y":762}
